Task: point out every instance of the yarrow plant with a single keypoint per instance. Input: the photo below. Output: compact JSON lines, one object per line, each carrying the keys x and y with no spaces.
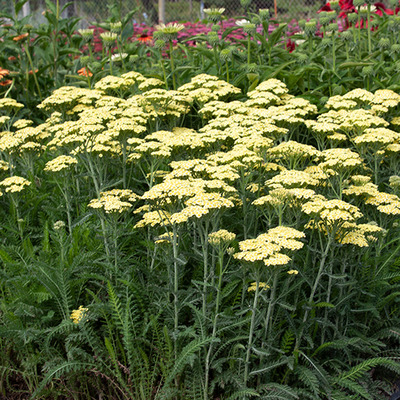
{"x":229,"y":236}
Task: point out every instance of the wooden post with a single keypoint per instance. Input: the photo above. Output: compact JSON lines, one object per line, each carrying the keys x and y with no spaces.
{"x":26,"y":9}
{"x":161,"y":11}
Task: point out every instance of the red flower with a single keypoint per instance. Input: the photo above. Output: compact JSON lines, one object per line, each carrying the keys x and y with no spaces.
{"x":84,"y":72}
{"x":20,"y":37}
{"x":3,"y":72}
{"x":144,"y":38}
{"x":290,"y":45}
{"x":382,"y":9}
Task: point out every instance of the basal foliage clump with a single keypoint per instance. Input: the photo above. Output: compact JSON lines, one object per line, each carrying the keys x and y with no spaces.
{"x":199,"y":243}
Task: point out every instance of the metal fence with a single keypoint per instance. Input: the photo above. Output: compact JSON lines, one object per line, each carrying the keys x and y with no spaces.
{"x":148,"y":11}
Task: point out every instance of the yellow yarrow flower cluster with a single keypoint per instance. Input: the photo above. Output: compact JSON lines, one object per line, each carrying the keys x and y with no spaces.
{"x":14,"y":184}
{"x":267,"y":247}
{"x":359,"y":234}
{"x":329,"y":215}
{"x":204,"y":88}
{"x":221,"y":237}
{"x":114,"y":201}
{"x":7,"y":104}
{"x":60,"y":163}
{"x":340,"y":159}
{"x":386,"y":203}
{"x":293,"y":153}
{"x":78,"y":315}
{"x":261,"y":286}
{"x":67,"y":97}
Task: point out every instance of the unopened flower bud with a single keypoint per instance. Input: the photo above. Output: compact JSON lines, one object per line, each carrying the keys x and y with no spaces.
{"x":384,"y":43}
{"x":213,"y":38}
{"x":226,"y":54}
{"x":116,"y":26}
{"x":159,"y":44}
{"x":395,"y":49}
{"x":302,"y":23}
{"x":310,"y":27}
{"x":346,"y":35}
{"x":333,"y":27}
{"x":95,"y":67}
{"x":324,"y":20}
{"x":264,"y":14}
{"x":335,"y":5}
{"x":326,"y":42}
{"x":85,"y":60}
{"x":367,"y":71}
{"x":252,"y":67}
{"x":352,"y":17}
{"x":249,"y":28}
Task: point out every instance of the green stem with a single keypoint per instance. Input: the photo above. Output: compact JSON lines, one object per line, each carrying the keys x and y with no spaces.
{"x":28,"y":54}
{"x":359,"y":34}
{"x":164,"y":73}
{"x":115,"y":237}
{"x":315,"y":286}
{"x":333,"y":52}
{"x":120,"y":53}
{"x":214,"y":329}
{"x":110,"y":61}
{"x":176,"y":287}
{"x":368,"y":23}
{"x":124,"y":157}
{"x":204,"y":245}
{"x":248,"y":50}
{"x":251,"y":332}
{"x":171,"y":58}
{"x":271,"y":302}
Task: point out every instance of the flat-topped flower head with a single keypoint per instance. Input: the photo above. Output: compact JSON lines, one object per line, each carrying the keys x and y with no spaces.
{"x":329,"y":215}
{"x":292,"y":153}
{"x":60,"y":163}
{"x":87,"y":34}
{"x":114,"y":201}
{"x":214,"y":14}
{"x":340,"y":159}
{"x":168,"y":32}
{"x":272,"y":85}
{"x":14,"y":184}
{"x":261,"y":286}
{"x":221,"y":238}
{"x":292,"y":179}
{"x":8,"y":104}
{"x":164,"y":238}
{"x":267,"y":247}
{"x":108,"y":38}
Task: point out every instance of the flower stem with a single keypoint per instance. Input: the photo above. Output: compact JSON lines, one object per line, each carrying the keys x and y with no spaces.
{"x":171,"y":58}
{"x":251,"y":332}
{"x":368,"y":23}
